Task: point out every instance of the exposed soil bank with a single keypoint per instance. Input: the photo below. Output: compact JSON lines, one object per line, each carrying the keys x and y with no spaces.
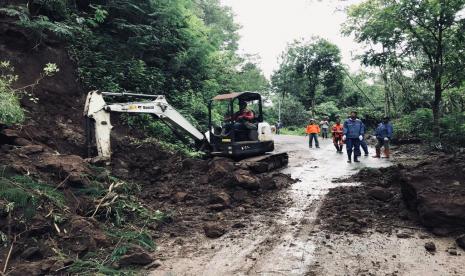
{"x":429,"y":192}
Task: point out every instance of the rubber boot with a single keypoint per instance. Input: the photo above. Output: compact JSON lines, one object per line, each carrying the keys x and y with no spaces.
{"x":337,"y":147}
{"x":378,"y":153}
{"x":349,"y":160}
{"x":386,"y":153}
{"x":356,"y":159}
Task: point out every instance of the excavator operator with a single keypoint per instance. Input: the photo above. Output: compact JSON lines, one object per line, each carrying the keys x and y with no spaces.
{"x":243,"y":114}
{"x":242,"y":121}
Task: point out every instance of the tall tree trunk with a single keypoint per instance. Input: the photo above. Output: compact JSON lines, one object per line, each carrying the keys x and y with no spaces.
{"x":437,"y":108}
{"x":387,"y":106}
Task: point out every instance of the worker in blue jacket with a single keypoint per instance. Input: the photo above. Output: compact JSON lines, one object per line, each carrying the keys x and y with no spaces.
{"x":353,"y":134}
{"x":383,"y":134}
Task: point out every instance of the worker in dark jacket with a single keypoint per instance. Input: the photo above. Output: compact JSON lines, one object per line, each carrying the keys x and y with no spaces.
{"x":353,"y":134}
{"x":383,"y":134}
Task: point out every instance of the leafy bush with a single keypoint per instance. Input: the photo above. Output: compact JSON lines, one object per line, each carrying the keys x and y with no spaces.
{"x":10,"y":109}
{"x":415,"y":125}
{"x":453,"y":129}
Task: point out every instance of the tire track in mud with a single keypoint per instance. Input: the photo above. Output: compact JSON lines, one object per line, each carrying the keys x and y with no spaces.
{"x":281,"y":246}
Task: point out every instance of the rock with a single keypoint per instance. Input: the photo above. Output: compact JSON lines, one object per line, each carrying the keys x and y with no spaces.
{"x":246,"y":180}
{"x":444,"y":209}
{"x":22,"y":142}
{"x":220,"y":198}
{"x":154,"y":265}
{"x":217,"y":207}
{"x":403,"y":235}
{"x":430,"y":246}
{"x":76,"y":180}
{"x":461,"y":241}
{"x":10,"y":133}
{"x":137,"y":258}
{"x":213,"y":230}
{"x":238,"y":225}
{"x":72,"y":167}
{"x":31,"y":149}
{"x":31,"y":253}
{"x":380,"y":193}
{"x":84,"y":235}
{"x":452,"y":251}
{"x":220,"y":169}
{"x":179,"y":196}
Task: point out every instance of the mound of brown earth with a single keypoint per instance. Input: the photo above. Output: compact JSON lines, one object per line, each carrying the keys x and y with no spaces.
{"x":430,"y":193}
{"x":436,"y":190}
{"x":376,"y":204}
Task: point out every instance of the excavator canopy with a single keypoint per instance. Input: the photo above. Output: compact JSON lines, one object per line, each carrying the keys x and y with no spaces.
{"x":243,"y":96}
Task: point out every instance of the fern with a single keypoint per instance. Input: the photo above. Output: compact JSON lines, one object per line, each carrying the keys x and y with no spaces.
{"x":15,"y":11}
{"x":21,"y":198}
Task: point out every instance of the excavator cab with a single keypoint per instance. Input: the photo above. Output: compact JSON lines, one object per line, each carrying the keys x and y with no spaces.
{"x":243,"y":133}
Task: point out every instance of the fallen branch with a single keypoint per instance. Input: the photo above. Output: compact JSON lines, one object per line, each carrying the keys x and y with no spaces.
{"x":5,"y":267}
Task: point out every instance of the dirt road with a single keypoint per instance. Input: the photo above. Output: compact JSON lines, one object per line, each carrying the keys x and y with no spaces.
{"x":291,"y":243}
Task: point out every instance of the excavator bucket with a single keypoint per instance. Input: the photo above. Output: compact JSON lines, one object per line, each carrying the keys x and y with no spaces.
{"x":265,"y":163}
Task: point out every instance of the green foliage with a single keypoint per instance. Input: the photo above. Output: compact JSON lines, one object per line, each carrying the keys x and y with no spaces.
{"x":417,"y":124}
{"x":24,"y":194}
{"x":140,"y":237}
{"x":293,"y":112}
{"x":10,"y":108}
{"x":423,"y":37}
{"x":293,"y":130}
{"x":309,"y":67}
{"x":94,"y":266}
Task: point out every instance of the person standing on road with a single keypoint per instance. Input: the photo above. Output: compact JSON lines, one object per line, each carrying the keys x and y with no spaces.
{"x":279,"y":125}
{"x":324,"y":124}
{"x":338,"y":131}
{"x":353,"y":133}
{"x":312,"y":131}
{"x":383,"y":133}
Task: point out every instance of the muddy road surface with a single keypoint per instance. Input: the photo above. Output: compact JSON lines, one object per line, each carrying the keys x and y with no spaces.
{"x":291,"y":242}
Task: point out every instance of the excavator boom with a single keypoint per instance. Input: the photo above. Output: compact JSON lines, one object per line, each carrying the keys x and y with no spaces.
{"x":99,"y":111}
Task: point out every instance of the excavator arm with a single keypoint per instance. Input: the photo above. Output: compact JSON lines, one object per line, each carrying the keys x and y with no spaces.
{"x":99,"y":111}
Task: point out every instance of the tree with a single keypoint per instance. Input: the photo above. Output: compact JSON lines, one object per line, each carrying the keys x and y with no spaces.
{"x":309,"y":67}
{"x":427,"y":32}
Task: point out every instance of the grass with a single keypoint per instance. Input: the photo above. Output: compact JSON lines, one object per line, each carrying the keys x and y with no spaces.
{"x":299,"y":131}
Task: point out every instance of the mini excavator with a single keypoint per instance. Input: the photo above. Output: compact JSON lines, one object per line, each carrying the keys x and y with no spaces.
{"x":252,"y":145}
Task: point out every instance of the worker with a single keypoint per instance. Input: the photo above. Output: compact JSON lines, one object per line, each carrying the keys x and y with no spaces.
{"x":312,"y":131}
{"x":383,"y":133}
{"x":243,"y":114}
{"x":353,"y":132}
{"x":324,"y":124}
{"x":241,"y":122}
{"x":279,"y":125}
{"x":337,"y":132}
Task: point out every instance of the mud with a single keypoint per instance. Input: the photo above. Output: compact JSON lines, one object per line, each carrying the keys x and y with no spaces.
{"x":427,"y":193}
{"x":197,"y":197}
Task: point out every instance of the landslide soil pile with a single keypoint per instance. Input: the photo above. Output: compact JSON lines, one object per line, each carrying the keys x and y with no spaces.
{"x":430,"y":193}
{"x":61,"y":213}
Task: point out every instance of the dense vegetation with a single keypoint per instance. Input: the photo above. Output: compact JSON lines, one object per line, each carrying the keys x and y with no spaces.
{"x":187,"y":50}
{"x":416,"y":49}
{"x":184,"y":49}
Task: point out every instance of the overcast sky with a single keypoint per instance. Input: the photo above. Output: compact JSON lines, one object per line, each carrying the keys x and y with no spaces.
{"x":268,"y":25}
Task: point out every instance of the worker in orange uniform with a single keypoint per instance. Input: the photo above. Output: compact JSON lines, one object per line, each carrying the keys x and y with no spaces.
{"x":312,"y":131}
{"x":338,"y":131}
